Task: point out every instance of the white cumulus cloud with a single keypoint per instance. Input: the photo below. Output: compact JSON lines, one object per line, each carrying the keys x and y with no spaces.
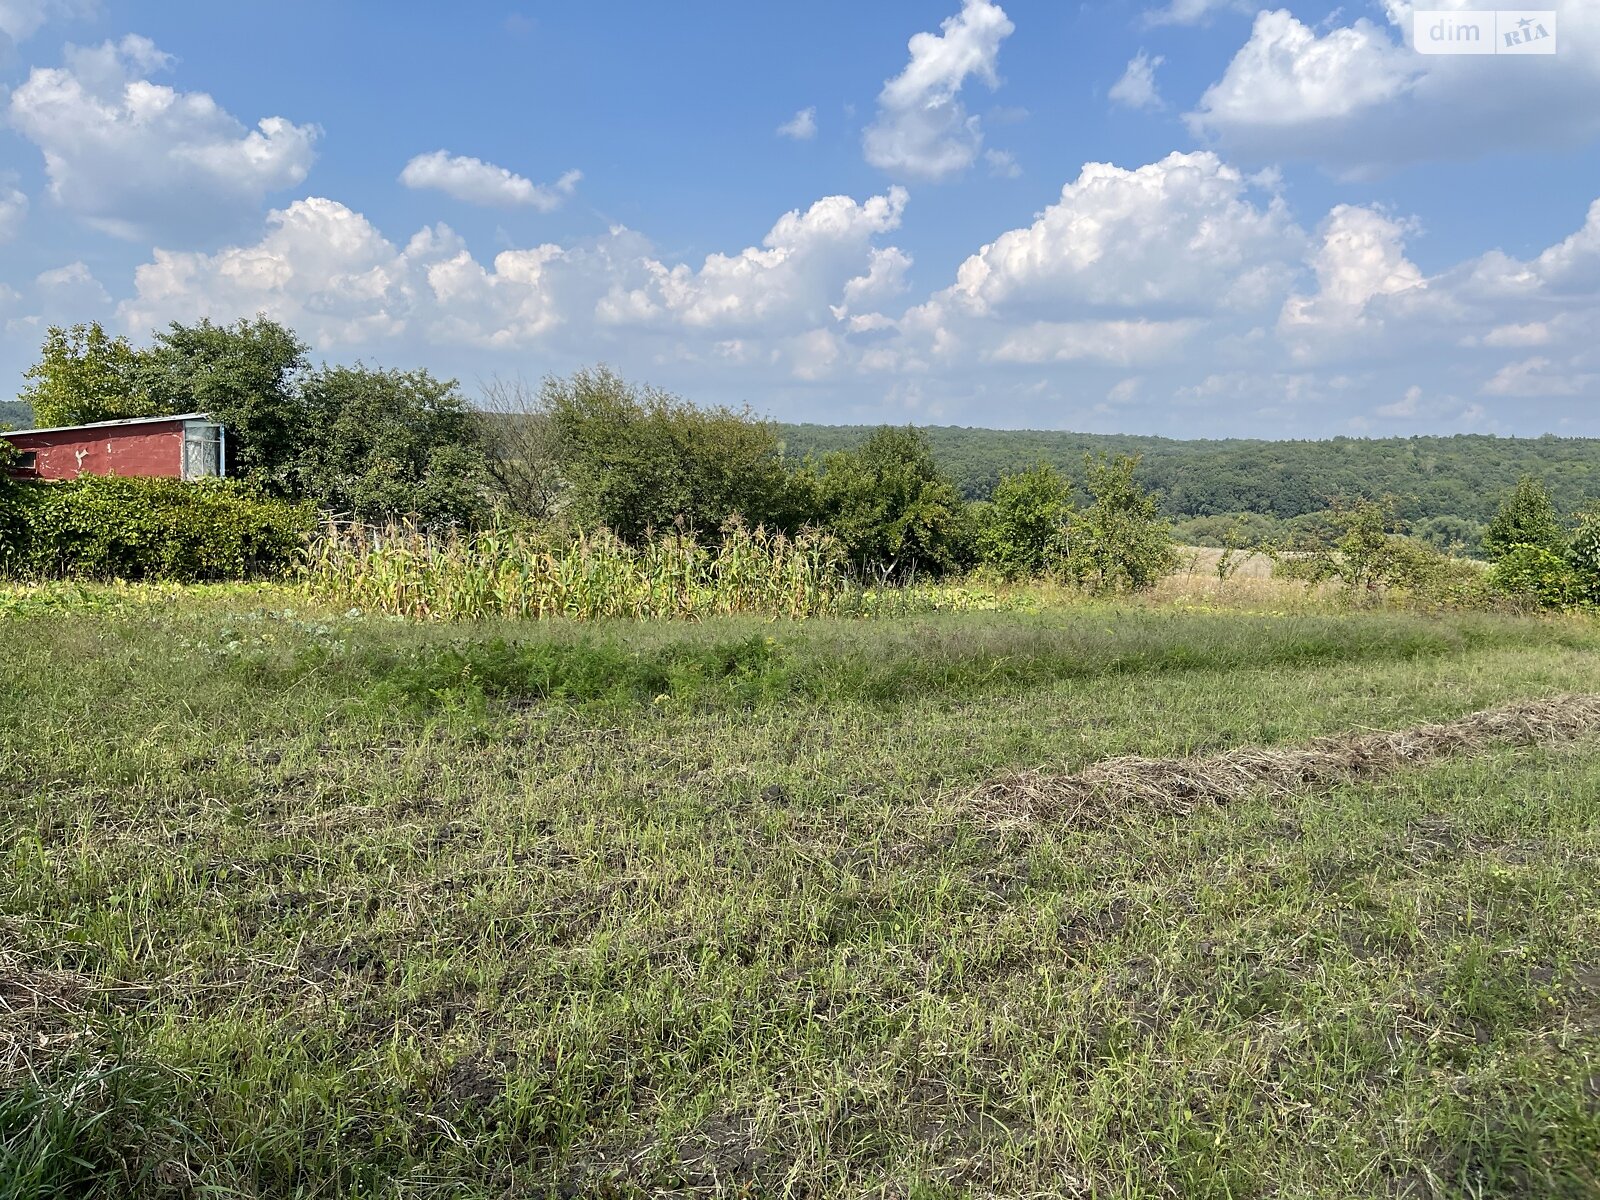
{"x":473,"y":181}
{"x":1362,"y":256}
{"x":328,"y":271}
{"x":1359,"y":100}
{"x":798,"y":271}
{"x":922,"y":130}
{"x":136,"y":158}
{"x":1179,"y":235}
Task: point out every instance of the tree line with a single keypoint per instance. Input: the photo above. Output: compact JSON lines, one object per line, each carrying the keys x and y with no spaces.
{"x":588,"y":452}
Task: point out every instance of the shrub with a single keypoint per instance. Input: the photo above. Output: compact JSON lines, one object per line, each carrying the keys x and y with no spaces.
{"x":891,"y":507}
{"x":1370,"y":562}
{"x":1583,"y":554}
{"x":1458,"y":536}
{"x":1527,"y":517}
{"x":1120,"y":542}
{"x":1023,"y":530}
{"x":638,"y":461}
{"x":1537,"y":574}
{"x":99,"y":527}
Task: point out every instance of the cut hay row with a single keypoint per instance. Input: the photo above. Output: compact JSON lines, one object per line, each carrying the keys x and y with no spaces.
{"x":1104,"y":792}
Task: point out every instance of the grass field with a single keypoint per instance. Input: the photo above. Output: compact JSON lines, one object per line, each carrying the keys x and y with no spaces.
{"x":302,"y":904}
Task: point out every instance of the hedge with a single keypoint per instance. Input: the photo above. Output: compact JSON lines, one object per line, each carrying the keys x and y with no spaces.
{"x":100,"y":527}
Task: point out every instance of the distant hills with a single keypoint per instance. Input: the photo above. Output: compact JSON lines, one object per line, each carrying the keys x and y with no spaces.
{"x":14,"y":414}
{"x":1462,"y":476}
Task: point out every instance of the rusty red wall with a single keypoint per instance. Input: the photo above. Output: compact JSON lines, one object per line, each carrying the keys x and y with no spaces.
{"x":153,"y":449}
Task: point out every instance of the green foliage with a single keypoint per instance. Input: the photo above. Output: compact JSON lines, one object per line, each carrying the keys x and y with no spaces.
{"x":1237,"y":530}
{"x":1120,"y":542}
{"x":1583,"y":554}
{"x":246,"y":375}
{"x":1023,"y":531}
{"x":391,"y":443}
{"x":85,"y":375}
{"x":1527,"y":517}
{"x":1536,"y":574}
{"x":637,"y":460}
{"x":890,"y":506}
{"x":99,"y":527}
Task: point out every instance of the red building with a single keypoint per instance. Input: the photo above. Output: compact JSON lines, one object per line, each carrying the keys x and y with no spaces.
{"x":187,"y":446}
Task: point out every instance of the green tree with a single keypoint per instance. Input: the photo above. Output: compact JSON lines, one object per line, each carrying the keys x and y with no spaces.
{"x":247,"y":376}
{"x":391,"y":444}
{"x":83,"y":375}
{"x":638,"y":459}
{"x":1526,"y":518}
{"x":1024,"y":529}
{"x":1583,"y":554}
{"x":891,"y":507}
{"x":1120,"y":542}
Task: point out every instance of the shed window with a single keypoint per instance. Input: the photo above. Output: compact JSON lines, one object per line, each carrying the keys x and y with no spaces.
{"x":202,"y":450}
{"x":28,"y":460}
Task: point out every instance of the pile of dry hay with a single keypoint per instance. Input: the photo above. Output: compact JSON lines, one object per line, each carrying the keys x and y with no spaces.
{"x":1104,"y":791}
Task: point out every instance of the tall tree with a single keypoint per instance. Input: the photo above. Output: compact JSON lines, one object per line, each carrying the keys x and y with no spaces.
{"x":391,"y":444}
{"x":247,"y":376}
{"x":1121,"y":541}
{"x":83,"y":375}
{"x":1025,"y":528}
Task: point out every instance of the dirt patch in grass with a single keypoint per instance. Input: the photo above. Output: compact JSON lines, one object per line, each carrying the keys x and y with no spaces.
{"x":43,"y":1013}
{"x":1104,"y":791}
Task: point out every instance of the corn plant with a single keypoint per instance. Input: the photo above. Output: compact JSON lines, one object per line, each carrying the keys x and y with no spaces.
{"x":406,"y":571}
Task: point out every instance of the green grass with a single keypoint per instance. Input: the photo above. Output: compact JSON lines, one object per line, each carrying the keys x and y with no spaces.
{"x":329,"y":906}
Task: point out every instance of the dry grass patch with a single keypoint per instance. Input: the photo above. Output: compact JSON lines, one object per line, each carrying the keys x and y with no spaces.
{"x":1105,"y":791}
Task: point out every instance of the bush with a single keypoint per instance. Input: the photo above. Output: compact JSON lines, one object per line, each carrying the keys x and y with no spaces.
{"x":1457,"y":536}
{"x":1120,"y":542}
{"x":891,"y":507}
{"x":1023,"y":530}
{"x":1371,"y":562}
{"x":639,"y":461}
{"x":99,"y":527}
{"x":1583,"y":554}
{"x":1537,"y":574}
{"x":1527,"y":517}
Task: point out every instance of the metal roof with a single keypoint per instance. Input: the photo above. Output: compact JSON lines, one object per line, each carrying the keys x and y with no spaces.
{"x":195,"y":416}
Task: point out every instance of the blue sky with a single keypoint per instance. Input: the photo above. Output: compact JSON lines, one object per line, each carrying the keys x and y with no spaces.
{"x":1197,"y":217}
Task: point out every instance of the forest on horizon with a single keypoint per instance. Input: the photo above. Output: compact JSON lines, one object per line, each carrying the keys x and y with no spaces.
{"x":1459,"y":475}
